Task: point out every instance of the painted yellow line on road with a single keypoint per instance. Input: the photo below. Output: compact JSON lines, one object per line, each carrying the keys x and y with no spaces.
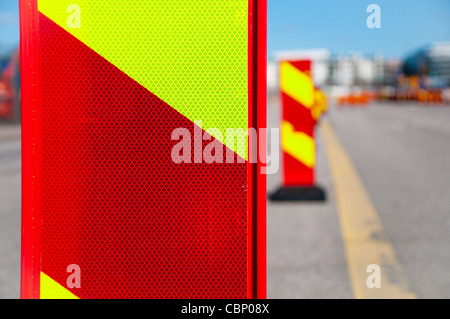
{"x":366,"y":243}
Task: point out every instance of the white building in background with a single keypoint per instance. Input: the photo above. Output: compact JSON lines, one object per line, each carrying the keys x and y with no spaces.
{"x":345,"y":71}
{"x":337,"y":74}
{"x":433,"y":61}
{"x":356,"y":70}
{"x":438,"y":56}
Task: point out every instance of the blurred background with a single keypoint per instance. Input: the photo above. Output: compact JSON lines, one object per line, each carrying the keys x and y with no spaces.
{"x":389,"y":105}
{"x":410,"y":49}
{"x":382,"y":150}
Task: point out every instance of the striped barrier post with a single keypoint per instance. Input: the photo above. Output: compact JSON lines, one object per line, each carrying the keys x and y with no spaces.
{"x":302,"y":106}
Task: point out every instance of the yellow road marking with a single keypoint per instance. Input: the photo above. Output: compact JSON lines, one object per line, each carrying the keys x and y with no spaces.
{"x":364,"y":238}
{"x":298,"y":144}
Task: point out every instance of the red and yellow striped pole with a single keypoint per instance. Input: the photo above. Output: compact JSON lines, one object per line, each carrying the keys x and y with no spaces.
{"x":302,"y":106}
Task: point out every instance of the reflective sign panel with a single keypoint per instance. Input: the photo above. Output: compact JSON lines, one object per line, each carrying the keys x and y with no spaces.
{"x":111,"y":89}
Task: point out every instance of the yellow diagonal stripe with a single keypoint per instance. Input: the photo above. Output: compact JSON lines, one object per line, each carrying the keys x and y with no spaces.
{"x":298,"y":144}
{"x":296,"y":84}
{"x":192,"y":54}
{"x":366,"y":243}
{"x":50,"y":289}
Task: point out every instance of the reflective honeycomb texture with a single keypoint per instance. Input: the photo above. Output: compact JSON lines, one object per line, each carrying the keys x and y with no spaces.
{"x":192,"y":54}
{"x":111,"y":199}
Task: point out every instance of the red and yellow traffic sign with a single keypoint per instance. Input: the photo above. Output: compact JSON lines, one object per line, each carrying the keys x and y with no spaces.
{"x":105,"y":84}
{"x":302,"y":106}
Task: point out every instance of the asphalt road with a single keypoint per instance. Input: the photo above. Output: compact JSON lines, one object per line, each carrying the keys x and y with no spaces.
{"x":10,"y":212}
{"x":401,"y":153}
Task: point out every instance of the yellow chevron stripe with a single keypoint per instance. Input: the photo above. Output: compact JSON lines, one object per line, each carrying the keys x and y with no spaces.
{"x":50,"y":289}
{"x":298,"y":144}
{"x":296,"y":84}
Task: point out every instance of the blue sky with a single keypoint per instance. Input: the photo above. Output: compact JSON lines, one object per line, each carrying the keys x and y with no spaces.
{"x":339,"y":25}
{"x":9,"y":25}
